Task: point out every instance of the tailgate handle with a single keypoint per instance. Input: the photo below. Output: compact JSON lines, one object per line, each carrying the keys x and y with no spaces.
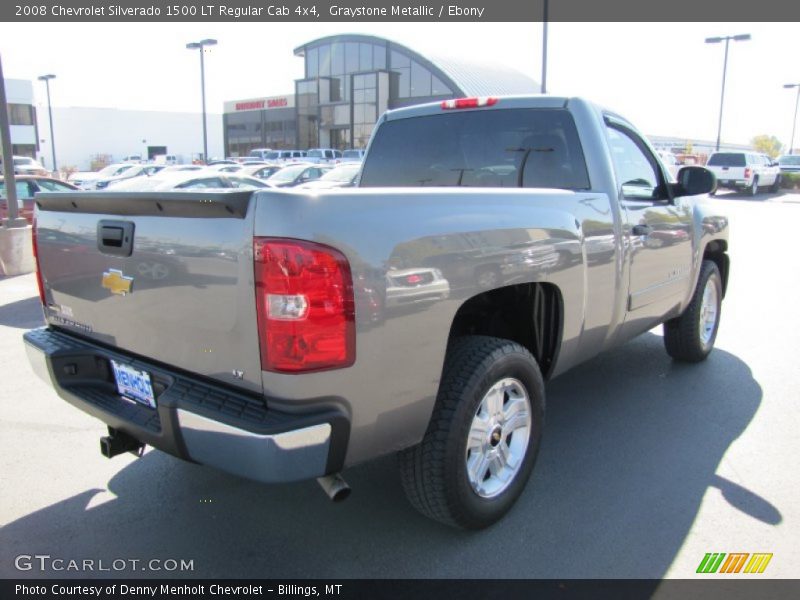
{"x":115,"y":237}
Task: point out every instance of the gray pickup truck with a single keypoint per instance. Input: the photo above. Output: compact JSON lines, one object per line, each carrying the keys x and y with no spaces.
{"x":491,"y":244}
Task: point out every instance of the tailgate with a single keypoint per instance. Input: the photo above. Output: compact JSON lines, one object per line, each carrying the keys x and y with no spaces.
{"x":728,"y":173}
{"x":166,"y":276}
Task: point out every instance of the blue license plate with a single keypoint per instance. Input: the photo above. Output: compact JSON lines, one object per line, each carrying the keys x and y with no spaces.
{"x":134,"y":384}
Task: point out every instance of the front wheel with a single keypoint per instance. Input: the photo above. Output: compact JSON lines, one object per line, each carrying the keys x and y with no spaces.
{"x":483,"y":437}
{"x":691,"y":336}
{"x":776,"y":187}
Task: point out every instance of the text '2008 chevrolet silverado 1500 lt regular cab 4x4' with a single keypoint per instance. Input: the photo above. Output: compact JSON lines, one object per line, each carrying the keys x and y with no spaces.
{"x":491,"y":244}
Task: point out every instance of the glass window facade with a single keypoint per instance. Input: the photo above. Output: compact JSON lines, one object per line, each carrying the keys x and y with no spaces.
{"x":349,"y":81}
{"x":20,"y":114}
{"x":272,"y":128}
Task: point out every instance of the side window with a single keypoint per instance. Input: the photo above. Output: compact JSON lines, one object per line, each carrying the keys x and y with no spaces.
{"x":636,"y":168}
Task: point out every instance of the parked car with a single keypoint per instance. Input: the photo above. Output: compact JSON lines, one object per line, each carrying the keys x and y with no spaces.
{"x":261,"y":171}
{"x":284,"y":156}
{"x":670,"y":161}
{"x":789,"y":163}
{"x":270,"y":368}
{"x":167,"y":159}
{"x":135,"y":171}
{"x":296,"y":174}
{"x":353,"y":155}
{"x":415,"y":286}
{"x":189,"y":181}
{"x":323,"y":155}
{"x":133,"y":158}
{"x":86,"y":180}
{"x":259,"y":153}
{"x":27,"y":186}
{"x":181,"y":169}
{"x":745,"y":171}
{"x":342,"y":176}
{"x":25,"y":165}
{"x":225,"y":167}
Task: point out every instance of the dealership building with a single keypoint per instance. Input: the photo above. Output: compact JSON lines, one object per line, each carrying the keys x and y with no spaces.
{"x":349,"y":80}
{"x":22,"y":117}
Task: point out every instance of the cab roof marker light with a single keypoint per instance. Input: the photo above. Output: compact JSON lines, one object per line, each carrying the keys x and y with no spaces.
{"x":478,"y":102}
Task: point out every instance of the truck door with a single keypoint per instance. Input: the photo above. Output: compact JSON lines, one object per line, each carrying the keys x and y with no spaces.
{"x":657,"y":232}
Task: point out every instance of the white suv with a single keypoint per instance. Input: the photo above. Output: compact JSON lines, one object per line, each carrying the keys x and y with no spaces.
{"x":745,"y":171}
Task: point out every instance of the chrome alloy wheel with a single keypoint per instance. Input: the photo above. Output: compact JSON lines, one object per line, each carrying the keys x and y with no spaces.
{"x":498,"y":438}
{"x":709,"y":310}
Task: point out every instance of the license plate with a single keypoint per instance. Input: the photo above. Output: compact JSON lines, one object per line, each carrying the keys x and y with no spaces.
{"x":134,"y":384}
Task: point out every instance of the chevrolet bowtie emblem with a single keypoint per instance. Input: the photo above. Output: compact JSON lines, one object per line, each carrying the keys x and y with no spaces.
{"x":116,"y":282}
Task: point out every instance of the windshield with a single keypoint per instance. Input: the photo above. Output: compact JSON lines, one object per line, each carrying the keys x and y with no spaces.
{"x":351,"y":154}
{"x":23,"y":161}
{"x":112,"y":170}
{"x":491,"y":148}
{"x":316,"y":153}
{"x":288,"y":173}
{"x":272,"y":155}
{"x":727,"y":159}
{"x":341,"y":174}
{"x":793,"y":160}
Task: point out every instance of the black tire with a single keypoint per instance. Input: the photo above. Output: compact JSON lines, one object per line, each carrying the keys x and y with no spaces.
{"x":776,"y":187}
{"x":682,"y":336}
{"x":753,"y":189}
{"x":434,"y":472}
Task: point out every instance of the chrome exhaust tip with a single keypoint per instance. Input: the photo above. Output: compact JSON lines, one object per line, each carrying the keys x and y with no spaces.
{"x":335,"y":487}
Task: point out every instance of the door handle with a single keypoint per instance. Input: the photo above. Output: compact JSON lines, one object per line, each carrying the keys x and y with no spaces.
{"x":642,"y":230}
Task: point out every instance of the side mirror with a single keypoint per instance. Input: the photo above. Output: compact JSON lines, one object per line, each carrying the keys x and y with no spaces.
{"x":694,"y":181}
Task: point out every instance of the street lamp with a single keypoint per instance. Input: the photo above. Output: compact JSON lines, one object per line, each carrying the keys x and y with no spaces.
{"x":794,"y":121}
{"x":544,"y":46}
{"x":716,"y":40}
{"x":199,"y":46}
{"x":46,"y":79}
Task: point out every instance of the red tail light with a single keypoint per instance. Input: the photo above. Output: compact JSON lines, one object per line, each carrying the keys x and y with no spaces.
{"x":305,"y":306}
{"x":747,"y":172}
{"x":39,"y":280}
{"x":469,"y":102}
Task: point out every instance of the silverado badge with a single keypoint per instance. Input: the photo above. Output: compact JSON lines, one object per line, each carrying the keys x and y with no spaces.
{"x":116,"y":282}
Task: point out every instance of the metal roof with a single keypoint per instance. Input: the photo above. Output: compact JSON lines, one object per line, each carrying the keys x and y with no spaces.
{"x":471,"y":78}
{"x":485,"y":79}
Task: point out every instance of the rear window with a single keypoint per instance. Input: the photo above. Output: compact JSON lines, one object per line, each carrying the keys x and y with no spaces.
{"x":352,"y":154}
{"x":727,"y":159}
{"x":315,"y":153}
{"x":493,"y":148}
{"x":790,"y":160}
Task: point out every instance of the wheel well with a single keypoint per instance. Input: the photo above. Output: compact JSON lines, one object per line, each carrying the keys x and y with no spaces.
{"x":716,"y":250}
{"x":528,"y":313}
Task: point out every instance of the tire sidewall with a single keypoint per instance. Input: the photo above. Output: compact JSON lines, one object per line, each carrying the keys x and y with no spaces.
{"x":484,"y":511}
{"x":754,"y":187}
{"x":713,"y":274}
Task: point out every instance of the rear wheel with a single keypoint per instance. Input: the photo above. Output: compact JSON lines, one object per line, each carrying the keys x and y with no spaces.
{"x":483,"y":437}
{"x":691,"y":336}
{"x":753,"y":189}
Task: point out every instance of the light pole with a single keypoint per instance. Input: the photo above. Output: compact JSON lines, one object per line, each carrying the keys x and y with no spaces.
{"x":716,"y":40}
{"x":199,"y":46}
{"x":544,"y":47}
{"x":46,"y":79}
{"x":796,"y":102}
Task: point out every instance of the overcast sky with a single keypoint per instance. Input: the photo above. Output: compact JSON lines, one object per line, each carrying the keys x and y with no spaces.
{"x":659,"y":75}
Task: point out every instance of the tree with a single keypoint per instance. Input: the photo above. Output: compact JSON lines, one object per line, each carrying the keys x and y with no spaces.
{"x":768,"y":144}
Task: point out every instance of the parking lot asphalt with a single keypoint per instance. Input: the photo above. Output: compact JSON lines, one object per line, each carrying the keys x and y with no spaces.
{"x":646,"y":464}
